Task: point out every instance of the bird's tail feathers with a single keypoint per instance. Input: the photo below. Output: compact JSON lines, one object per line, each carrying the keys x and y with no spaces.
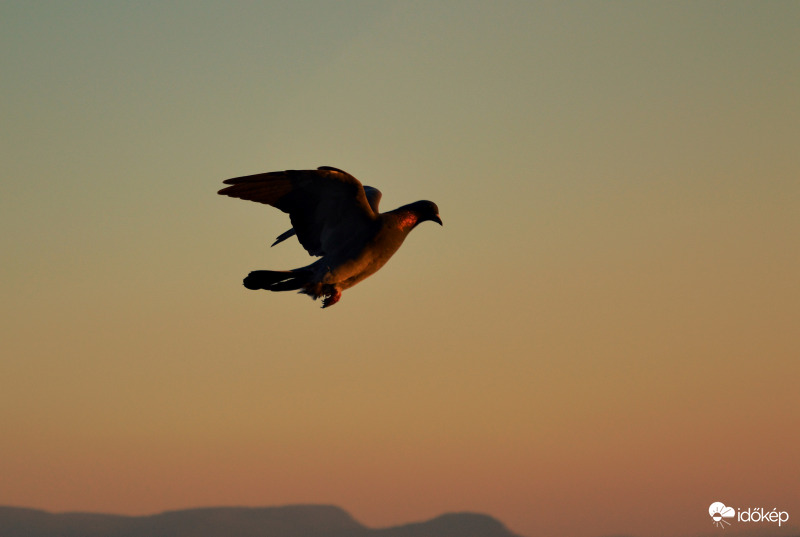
{"x":277,"y":280}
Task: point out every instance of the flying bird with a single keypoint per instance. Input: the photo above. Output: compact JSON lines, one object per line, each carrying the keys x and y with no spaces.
{"x":335,"y":218}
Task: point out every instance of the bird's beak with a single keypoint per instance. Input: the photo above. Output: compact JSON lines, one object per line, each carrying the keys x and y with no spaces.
{"x":437,"y":220}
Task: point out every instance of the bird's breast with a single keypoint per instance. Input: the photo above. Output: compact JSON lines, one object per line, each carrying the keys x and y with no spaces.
{"x":348,"y":270}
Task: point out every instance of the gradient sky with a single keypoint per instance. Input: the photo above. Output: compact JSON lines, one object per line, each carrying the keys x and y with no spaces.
{"x":603,"y":337}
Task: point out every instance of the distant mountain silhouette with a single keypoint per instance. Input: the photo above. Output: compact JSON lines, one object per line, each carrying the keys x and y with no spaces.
{"x":289,"y":521}
{"x":450,"y":525}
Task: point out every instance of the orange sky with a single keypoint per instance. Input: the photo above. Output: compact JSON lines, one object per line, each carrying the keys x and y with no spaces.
{"x":600,"y":340}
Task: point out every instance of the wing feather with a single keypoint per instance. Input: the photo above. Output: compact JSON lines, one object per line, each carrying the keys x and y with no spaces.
{"x":327,"y":207}
{"x":373,"y":198}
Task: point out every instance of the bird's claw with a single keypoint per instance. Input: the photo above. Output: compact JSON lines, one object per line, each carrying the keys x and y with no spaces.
{"x":331,"y":299}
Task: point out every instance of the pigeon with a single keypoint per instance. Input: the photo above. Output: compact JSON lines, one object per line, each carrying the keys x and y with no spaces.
{"x":335,"y":218}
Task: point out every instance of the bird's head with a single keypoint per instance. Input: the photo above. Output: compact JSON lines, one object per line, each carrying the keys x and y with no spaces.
{"x":426,"y":210}
{"x":411,"y":215}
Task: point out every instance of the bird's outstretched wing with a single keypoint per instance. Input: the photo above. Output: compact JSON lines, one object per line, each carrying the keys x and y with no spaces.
{"x":373,"y":198}
{"x":328,"y":207}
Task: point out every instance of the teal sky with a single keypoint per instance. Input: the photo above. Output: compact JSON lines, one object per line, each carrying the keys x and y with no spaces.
{"x":606,"y":320}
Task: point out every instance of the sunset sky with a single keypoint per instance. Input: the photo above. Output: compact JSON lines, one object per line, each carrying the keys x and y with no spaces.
{"x":602,"y":339}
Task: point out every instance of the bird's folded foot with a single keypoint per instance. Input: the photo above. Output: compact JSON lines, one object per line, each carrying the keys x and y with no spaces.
{"x":331,"y":298}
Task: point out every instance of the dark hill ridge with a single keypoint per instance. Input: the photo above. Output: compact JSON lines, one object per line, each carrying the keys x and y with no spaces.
{"x":288,"y":521}
{"x":449,"y":525}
